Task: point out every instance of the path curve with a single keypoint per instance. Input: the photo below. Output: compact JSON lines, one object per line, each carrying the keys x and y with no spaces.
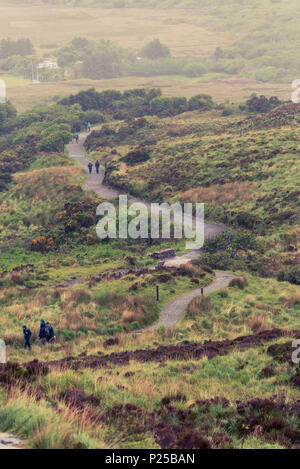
{"x":173,"y":312}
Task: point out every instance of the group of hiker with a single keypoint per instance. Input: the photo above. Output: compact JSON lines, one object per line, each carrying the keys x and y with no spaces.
{"x":97,"y":166}
{"x":87,"y":126}
{"x":46,"y":334}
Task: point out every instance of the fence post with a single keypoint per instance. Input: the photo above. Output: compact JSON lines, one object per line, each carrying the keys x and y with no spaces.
{"x":157,"y":292}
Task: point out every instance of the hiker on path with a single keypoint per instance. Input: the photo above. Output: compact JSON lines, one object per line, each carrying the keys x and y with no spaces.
{"x":50,"y":333}
{"x":89,"y":126}
{"x":43,"y":332}
{"x":74,"y":138}
{"x":77,"y":138}
{"x":97,"y":166}
{"x":27,"y":336}
{"x":90,"y":166}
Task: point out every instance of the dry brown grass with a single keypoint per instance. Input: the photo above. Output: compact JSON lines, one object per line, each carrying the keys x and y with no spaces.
{"x":199,"y":305}
{"x":293,"y":300}
{"x":45,"y":184}
{"x":257,"y":324}
{"x":219,"y":193}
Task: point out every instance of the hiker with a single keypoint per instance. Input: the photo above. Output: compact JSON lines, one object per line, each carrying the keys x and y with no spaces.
{"x":43,"y":332}
{"x":89,"y":126}
{"x":27,"y":336}
{"x":50,"y":333}
{"x":74,"y":138}
{"x":97,"y":166}
{"x":77,"y":138}
{"x":90,"y":166}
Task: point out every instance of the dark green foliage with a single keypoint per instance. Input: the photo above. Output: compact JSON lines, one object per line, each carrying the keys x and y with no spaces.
{"x":261,"y":104}
{"x":165,"y":106}
{"x":231,"y":241}
{"x":55,"y":137}
{"x":7,"y":111}
{"x":111,"y":100}
{"x":290,"y":274}
{"x":136,"y":156}
{"x":202,"y":102}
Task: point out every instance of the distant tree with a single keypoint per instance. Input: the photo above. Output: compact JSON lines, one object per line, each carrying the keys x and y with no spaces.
{"x":194,"y":69}
{"x":219,"y":53}
{"x":103,"y":61}
{"x":155,"y":50}
{"x":21,"y":47}
{"x":79,"y":42}
{"x":66,"y":56}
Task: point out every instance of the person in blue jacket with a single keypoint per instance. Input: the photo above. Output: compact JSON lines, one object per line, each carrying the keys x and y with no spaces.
{"x":43,"y":332}
{"x":27,"y":336}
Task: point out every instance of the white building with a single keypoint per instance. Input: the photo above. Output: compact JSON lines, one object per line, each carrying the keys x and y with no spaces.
{"x":48,"y":63}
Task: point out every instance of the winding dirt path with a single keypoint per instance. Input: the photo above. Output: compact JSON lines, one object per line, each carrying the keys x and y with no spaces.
{"x":173,"y":312}
{"x":95,"y":184}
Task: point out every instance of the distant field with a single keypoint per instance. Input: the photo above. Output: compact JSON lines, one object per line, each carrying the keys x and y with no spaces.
{"x":46,"y":93}
{"x":49,"y":26}
{"x":186,"y":31}
{"x":14,"y":82}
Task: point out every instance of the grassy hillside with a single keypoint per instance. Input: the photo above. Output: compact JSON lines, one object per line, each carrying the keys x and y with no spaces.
{"x":223,"y":376}
{"x":243,"y":168}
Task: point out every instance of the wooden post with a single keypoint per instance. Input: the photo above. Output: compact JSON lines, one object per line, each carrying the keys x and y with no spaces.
{"x":157,"y":292}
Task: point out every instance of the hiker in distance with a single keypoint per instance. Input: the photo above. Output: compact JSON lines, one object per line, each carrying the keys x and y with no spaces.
{"x":97,"y":166}
{"x":88,"y":127}
{"x":46,"y":333}
{"x":90,"y":166}
{"x":27,"y":336}
{"x":43,"y":332}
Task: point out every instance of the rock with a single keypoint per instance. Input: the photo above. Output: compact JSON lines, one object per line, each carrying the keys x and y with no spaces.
{"x":166,"y":254}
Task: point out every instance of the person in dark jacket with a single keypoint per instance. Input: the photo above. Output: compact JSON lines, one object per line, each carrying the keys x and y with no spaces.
{"x":90,"y":166}
{"x":97,"y":166}
{"x":27,"y":336}
{"x":43,"y":332}
{"x":50,"y":333}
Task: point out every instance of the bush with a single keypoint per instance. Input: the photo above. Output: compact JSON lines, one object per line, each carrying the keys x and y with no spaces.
{"x":231,"y":241}
{"x":202,"y":102}
{"x":135,"y":157}
{"x":165,"y":105}
{"x":291,"y":275}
